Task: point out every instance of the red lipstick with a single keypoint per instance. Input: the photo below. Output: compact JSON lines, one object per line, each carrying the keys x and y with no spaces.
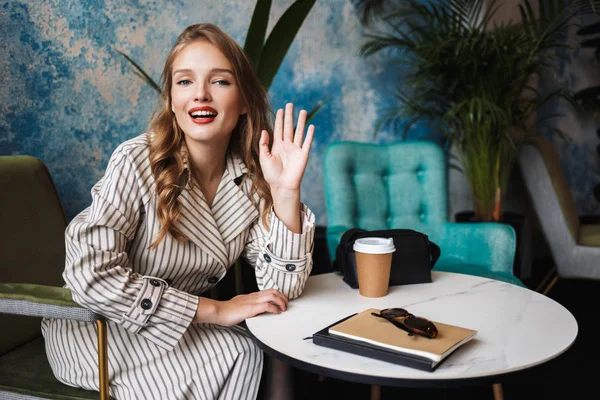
{"x":203,"y":115}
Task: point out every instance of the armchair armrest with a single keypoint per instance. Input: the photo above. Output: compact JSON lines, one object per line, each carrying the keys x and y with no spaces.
{"x":490,"y":244}
{"x":42,"y":301}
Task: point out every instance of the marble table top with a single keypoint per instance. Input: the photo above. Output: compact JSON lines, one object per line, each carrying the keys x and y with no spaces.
{"x":517,"y":328}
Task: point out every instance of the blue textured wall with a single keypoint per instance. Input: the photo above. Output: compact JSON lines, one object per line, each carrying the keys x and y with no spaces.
{"x":580,"y":160}
{"x":68,"y":98}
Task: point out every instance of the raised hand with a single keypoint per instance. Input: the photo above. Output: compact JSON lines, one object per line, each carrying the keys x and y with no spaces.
{"x":284,"y":165}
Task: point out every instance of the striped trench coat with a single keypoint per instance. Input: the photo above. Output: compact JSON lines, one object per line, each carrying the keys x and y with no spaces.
{"x":150,"y":295}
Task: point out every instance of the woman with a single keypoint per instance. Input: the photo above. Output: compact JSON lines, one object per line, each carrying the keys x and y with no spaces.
{"x":174,"y":210}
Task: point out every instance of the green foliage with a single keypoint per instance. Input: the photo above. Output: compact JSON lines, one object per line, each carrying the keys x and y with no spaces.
{"x":139,"y":71}
{"x":280,"y":39}
{"x":471,"y":79}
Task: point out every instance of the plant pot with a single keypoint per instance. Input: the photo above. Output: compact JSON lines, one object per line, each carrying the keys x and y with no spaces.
{"x":522,"y":226}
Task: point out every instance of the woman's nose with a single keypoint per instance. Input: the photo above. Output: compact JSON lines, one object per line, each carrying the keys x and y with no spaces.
{"x":202,"y":93}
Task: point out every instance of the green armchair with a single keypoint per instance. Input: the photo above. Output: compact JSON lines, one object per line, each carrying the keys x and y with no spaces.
{"x":32,"y":256}
{"x":403,"y":185}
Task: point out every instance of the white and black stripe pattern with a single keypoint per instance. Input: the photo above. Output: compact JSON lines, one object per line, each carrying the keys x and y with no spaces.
{"x":149,"y":296}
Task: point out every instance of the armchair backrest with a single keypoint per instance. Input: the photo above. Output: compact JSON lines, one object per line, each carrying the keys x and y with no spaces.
{"x":553,"y":203}
{"x":381,"y":186}
{"x":545,"y":181}
{"x":32,"y":245}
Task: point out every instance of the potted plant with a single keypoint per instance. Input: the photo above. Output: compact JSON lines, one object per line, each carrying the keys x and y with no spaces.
{"x":471,"y":79}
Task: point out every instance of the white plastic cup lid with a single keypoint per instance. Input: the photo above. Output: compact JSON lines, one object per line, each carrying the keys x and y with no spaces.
{"x":374,"y":245}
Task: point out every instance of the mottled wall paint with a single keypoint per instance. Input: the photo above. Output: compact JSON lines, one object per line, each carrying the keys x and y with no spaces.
{"x":579,"y":158}
{"x":68,"y":98}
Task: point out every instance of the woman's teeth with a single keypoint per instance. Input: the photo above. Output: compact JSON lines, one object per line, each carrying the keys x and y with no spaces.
{"x":203,"y":114}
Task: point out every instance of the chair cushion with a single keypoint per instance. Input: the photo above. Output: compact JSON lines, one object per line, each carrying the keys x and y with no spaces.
{"x":371,"y":186}
{"x":589,"y":235}
{"x":18,"y":366}
{"x":451,"y":264}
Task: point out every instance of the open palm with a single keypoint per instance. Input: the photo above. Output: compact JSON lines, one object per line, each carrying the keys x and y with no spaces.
{"x":284,"y":165}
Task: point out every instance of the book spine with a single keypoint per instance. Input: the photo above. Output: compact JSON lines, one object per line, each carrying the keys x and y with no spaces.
{"x":407,"y":360}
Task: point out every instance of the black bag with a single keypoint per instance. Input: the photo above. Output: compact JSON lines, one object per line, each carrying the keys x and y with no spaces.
{"x":412,"y":261}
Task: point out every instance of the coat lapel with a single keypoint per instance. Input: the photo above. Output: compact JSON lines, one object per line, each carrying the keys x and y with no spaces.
{"x":231,"y":212}
{"x":196,"y":221}
{"x":232,"y":209}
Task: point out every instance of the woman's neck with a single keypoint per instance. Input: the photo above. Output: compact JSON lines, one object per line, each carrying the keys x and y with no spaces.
{"x":207,"y":165}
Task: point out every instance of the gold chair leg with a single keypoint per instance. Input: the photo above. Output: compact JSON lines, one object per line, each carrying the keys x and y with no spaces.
{"x":549,"y":275}
{"x":550,"y":286}
{"x":103,"y":359}
{"x":498,"y":393}
{"x":544,"y":287}
{"x":375,"y":392}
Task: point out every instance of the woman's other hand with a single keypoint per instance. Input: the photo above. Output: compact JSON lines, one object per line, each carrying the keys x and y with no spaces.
{"x":283,"y":166}
{"x":236,"y":310}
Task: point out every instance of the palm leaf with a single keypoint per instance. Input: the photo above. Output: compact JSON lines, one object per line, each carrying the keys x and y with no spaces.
{"x":315,"y":110}
{"x":255,"y":38}
{"x":369,"y":9}
{"x":280,"y":40}
{"x":142,"y":73}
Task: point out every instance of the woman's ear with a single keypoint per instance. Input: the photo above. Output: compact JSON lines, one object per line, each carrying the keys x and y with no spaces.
{"x":244,"y":109}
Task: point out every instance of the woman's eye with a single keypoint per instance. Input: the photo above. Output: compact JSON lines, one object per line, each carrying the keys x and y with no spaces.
{"x":222,"y":82}
{"x":184,"y":82}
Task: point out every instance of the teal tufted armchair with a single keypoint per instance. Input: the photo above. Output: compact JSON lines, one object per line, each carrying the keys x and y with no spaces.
{"x":403,"y":185}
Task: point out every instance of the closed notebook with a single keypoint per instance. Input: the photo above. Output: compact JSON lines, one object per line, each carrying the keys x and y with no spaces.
{"x":379,"y":334}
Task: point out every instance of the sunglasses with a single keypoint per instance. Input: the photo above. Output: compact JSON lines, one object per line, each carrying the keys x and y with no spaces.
{"x":409,"y":323}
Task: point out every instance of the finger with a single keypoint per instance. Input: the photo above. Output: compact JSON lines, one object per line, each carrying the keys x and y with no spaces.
{"x":288,"y":124}
{"x":309,"y":138}
{"x":278,"y":129}
{"x":279,"y":301}
{"x":300,"y":128}
{"x":263,"y":144}
{"x":275,"y":297}
{"x":270,"y":308}
{"x":276,"y":292}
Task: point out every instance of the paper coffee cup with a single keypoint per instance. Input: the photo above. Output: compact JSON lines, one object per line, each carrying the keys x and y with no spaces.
{"x":373,"y":265}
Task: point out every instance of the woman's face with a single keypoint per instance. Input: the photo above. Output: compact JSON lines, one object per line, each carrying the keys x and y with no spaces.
{"x":205,"y":97}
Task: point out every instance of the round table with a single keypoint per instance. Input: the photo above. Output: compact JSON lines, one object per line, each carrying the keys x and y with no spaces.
{"x":517,"y":328}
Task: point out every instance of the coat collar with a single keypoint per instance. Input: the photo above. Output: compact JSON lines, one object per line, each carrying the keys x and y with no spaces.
{"x":233,"y":209}
{"x":211,"y":228}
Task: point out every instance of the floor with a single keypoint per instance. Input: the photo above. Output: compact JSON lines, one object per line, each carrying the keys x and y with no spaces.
{"x":570,"y":375}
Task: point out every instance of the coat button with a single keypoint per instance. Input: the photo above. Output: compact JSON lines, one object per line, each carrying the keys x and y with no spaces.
{"x":290,"y":267}
{"x":154,"y":282}
{"x":213,"y":279}
{"x":267,"y":257}
{"x":146,"y":304}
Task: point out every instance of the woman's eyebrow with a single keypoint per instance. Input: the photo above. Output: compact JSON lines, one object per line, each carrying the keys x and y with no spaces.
{"x":221,"y":70}
{"x":214,"y":70}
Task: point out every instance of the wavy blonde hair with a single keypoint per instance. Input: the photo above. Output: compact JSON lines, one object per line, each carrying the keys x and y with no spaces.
{"x":166,"y":158}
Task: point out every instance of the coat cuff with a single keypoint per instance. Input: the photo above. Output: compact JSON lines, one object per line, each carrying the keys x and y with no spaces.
{"x":160,"y":314}
{"x":287,"y":245}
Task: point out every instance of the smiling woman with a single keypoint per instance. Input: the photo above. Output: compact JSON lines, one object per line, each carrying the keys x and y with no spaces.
{"x":175,"y":209}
